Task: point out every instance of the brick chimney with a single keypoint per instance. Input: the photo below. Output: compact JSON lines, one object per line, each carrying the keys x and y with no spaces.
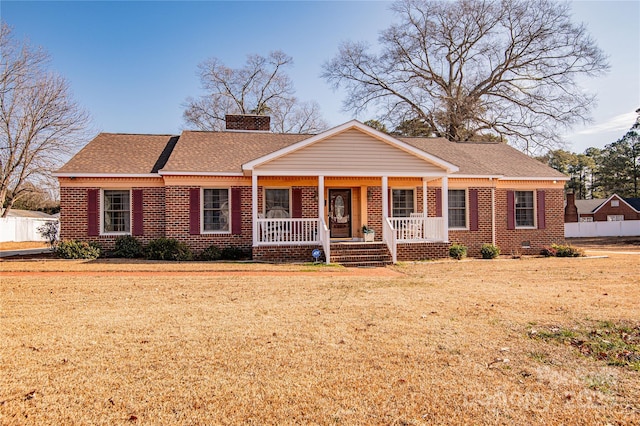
{"x":256,"y":123}
{"x":570,"y":210}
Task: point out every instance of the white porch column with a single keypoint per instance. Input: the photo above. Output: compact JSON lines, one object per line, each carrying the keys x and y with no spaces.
{"x":254,"y":207}
{"x":445,"y":207}
{"x":320,"y":197}
{"x":385,"y":197}
{"x":424,"y":197}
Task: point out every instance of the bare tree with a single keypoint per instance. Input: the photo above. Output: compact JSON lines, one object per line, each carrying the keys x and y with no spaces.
{"x":260,"y":87}
{"x":473,"y":68}
{"x":40,"y":125}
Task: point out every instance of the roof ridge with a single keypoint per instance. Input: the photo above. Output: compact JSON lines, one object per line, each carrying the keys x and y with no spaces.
{"x":137,"y":134}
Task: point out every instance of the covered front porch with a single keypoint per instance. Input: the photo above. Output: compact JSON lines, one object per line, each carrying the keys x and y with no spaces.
{"x":336,"y":185}
{"x":318,"y":211}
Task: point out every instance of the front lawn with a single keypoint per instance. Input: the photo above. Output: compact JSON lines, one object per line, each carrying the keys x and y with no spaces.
{"x":427,"y":343}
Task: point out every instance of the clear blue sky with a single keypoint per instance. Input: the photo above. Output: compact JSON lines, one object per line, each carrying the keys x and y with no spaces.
{"x":133,"y":64}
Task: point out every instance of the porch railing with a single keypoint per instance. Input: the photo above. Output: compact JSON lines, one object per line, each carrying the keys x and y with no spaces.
{"x":417,"y":229}
{"x":287,"y":231}
{"x":389,"y":238}
{"x":325,"y":240}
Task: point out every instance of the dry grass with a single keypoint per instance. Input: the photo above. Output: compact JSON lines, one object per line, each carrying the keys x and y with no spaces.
{"x":426,"y":343}
{"x":12,"y":245}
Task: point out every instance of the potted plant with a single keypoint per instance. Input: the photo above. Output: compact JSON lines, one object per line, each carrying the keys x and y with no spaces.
{"x":369,"y":234}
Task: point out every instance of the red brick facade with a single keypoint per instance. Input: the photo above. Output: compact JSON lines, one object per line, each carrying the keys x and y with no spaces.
{"x":166,"y":212}
{"x":73,"y":216}
{"x":610,"y":209}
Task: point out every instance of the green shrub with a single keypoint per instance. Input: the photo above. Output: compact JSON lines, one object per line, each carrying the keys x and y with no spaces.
{"x":567,"y":250}
{"x":489,"y":251}
{"x":458,"y":251}
{"x":128,"y":246}
{"x":233,"y":253}
{"x":212,"y":252}
{"x":73,"y":249}
{"x":167,"y":249}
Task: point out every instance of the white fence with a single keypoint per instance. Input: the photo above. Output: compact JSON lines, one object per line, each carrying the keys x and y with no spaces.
{"x":622,"y":228}
{"x":21,"y":228}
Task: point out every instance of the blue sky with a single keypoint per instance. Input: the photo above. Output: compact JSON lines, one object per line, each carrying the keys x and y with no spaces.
{"x":133,"y":64}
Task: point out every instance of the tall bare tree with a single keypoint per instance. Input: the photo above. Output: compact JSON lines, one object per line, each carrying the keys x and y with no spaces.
{"x":40,"y":124}
{"x":261,"y":86}
{"x":469,"y":68}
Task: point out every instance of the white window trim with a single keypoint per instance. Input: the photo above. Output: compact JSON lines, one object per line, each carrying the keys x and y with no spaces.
{"x":466,"y":210}
{"x":202,"y":231}
{"x":615,"y":218}
{"x":535,"y":209}
{"x":102,"y":230}
{"x":264,"y":198}
{"x":408,"y":188}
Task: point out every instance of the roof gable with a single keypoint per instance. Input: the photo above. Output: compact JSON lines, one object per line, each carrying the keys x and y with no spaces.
{"x":611,"y":198}
{"x":352,"y":148}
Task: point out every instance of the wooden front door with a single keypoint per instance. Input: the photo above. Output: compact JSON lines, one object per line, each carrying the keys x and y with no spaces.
{"x":340,"y":213}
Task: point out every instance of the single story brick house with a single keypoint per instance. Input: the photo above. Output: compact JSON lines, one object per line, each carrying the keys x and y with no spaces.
{"x":612,"y":209}
{"x":283,"y":195}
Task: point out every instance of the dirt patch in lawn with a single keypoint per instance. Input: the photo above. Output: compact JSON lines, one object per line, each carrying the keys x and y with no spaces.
{"x":630,"y":244}
{"x":437,"y":343}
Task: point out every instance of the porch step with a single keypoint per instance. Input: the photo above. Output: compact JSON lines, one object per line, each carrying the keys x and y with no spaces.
{"x":361,"y":254}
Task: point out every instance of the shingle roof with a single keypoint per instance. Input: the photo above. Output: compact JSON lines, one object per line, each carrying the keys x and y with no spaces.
{"x":226,"y":152}
{"x":117,"y":153}
{"x":634,"y":202}
{"x":588,"y":206}
{"x":484,"y":158}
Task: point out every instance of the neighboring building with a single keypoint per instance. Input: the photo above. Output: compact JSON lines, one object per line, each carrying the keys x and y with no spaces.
{"x":612,"y":209}
{"x":281,"y":195}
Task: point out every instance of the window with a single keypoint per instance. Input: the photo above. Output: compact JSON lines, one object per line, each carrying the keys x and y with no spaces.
{"x":586,"y":219}
{"x":524,"y":208}
{"x":457,"y":208}
{"x":615,"y":203}
{"x":215,"y":210}
{"x":615,"y":217}
{"x":402,"y":203}
{"x":276,"y":204}
{"x":116,"y":209}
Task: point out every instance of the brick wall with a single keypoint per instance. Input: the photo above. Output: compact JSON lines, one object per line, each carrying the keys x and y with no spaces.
{"x":475,"y":239}
{"x":422,"y":251}
{"x":374,"y":210}
{"x":509,"y":241}
{"x":177,"y":221}
{"x":284,"y":254}
{"x":73,"y":216}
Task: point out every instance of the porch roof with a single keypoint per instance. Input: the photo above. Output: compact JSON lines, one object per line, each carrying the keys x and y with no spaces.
{"x":350,"y":149}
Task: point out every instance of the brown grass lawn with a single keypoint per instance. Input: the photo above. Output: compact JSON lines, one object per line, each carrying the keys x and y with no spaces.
{"x":428,"y":343}
{"x":12,"y":245}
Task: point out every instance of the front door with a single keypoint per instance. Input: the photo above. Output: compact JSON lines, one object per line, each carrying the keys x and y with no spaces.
{"x":340,"y":213}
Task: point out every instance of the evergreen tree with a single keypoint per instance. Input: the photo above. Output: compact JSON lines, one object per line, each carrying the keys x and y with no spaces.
{"x":620,"y":164}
